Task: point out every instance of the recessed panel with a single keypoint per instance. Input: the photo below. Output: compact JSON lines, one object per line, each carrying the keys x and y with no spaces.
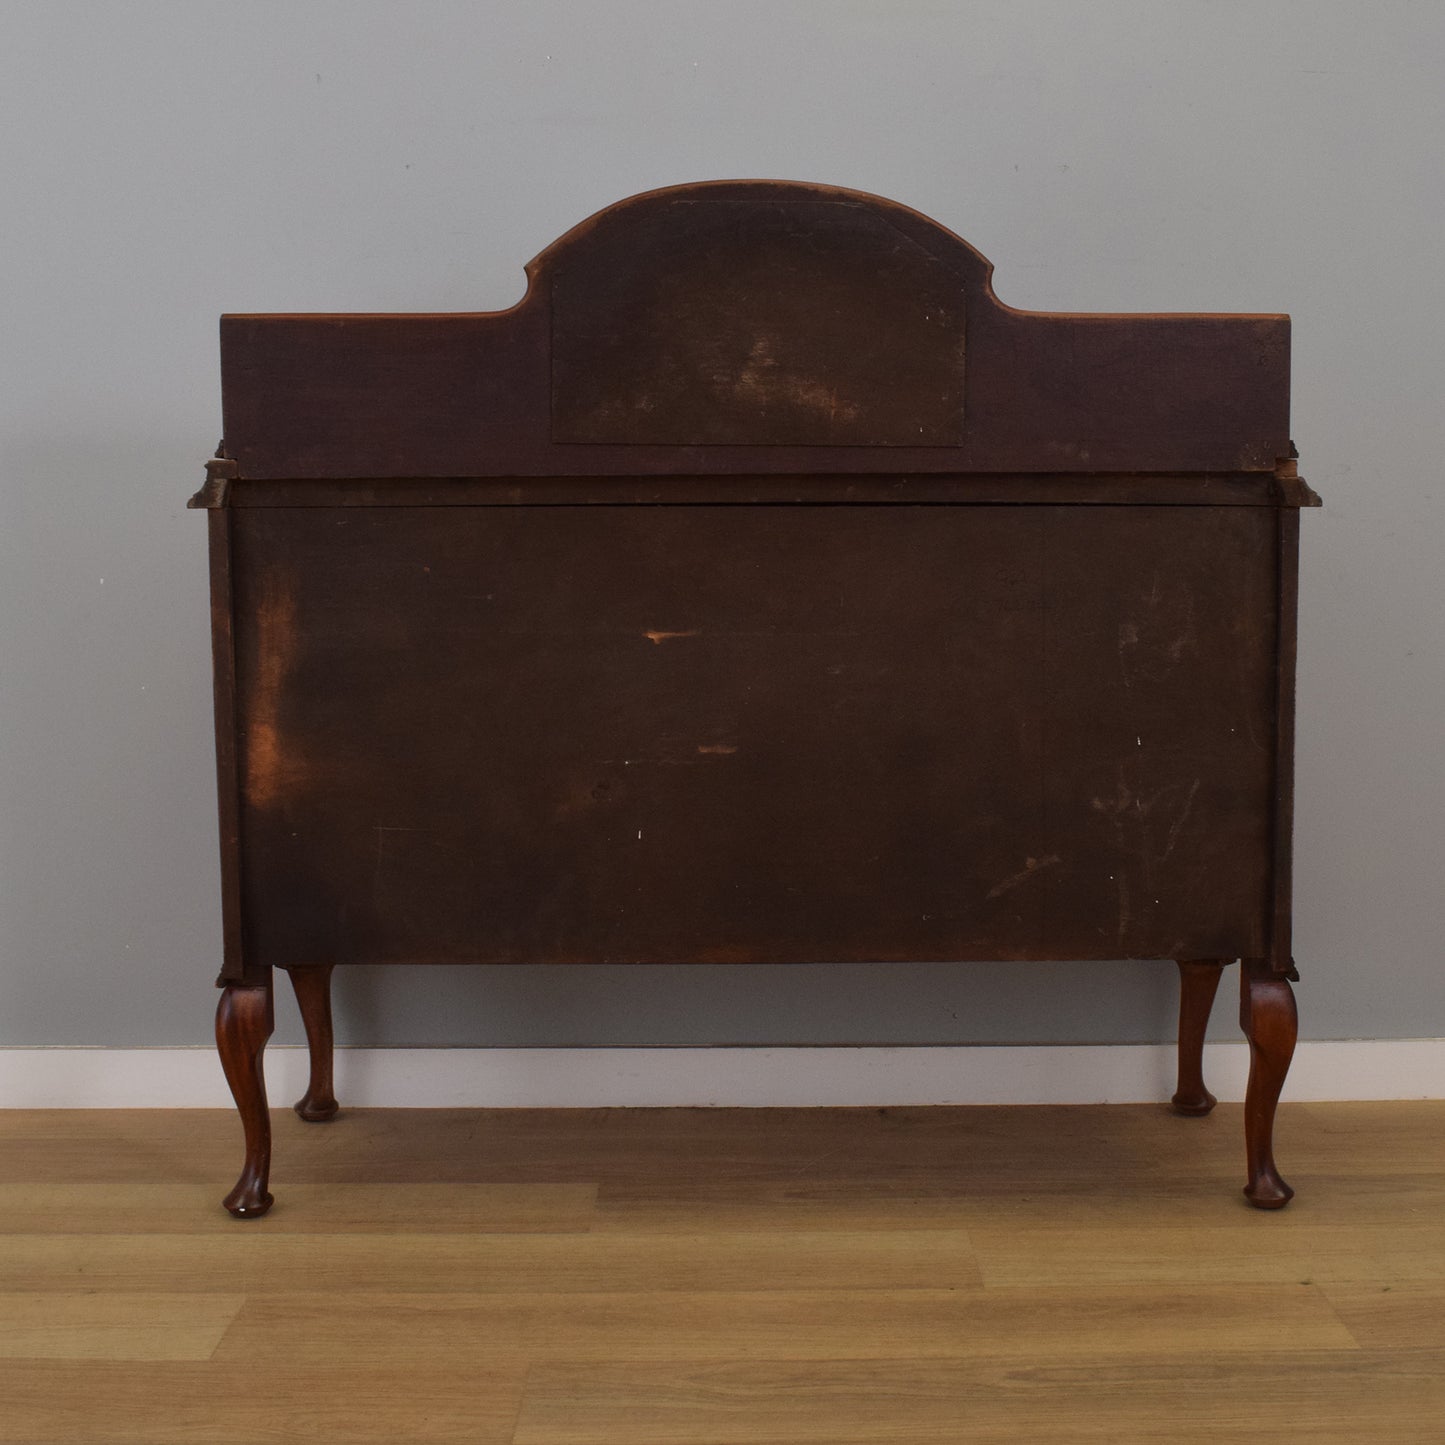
{"x":775,"y":733}
{"x":714,"y":322}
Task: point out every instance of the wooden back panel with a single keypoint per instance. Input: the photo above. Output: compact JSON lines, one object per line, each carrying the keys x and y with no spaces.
{"x":712,"y":733}
{"x":823,"y":329}
{"x":759,"y":588}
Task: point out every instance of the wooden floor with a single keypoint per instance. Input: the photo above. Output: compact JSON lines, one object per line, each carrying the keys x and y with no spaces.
{"x":704,"y":1277}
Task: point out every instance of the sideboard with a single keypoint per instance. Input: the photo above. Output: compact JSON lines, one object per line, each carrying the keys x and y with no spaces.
{"x":758,"y":589}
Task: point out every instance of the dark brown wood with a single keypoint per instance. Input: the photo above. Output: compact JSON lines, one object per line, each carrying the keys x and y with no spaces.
{"x":1198,"y":983}
{"x":245,"y":1019}
{"x":663,"y":332}
{"x":568,"y":734}
{"x":759,"y":588}
{"x":813,"y":324}
{"x":1287,"y":608}
{"x":1240,"y":489}
{"x":1267,"y":1016}
{"x":223,"y":651}
{"x":312,"y":983}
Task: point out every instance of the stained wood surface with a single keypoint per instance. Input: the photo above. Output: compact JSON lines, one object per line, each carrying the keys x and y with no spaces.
{"x":737,"y":734}
{"x":1192,"y":489}
{"x":578,"y":1277}
{"x":823,"y":329}
{"x":814,"y":322}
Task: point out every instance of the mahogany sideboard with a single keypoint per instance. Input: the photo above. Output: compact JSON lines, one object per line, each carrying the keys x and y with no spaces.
{"x":758,"y":589}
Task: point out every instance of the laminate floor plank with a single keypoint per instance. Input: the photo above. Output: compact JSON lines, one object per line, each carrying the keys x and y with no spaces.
{"x":94,"y":1326}
{"x":1385,"y":1199}
{"x":699,"y":1206}
{"x":982,"y":1152}
{"x":301,"y":1402}
{"x":1257,"y":1250}
{"x":818,"y":1325}
{"x":621,"y":1146}
{"x":253,"y":1260}
{"x":1371,"y":1398}
{"x":990,"y":1149}
{"x":1405,"y":1315}
{"x":999,"y":1276}
{"x":162,"y":1207}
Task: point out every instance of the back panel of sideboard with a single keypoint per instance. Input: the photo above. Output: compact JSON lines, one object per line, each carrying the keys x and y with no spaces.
{"x":754,"y":733}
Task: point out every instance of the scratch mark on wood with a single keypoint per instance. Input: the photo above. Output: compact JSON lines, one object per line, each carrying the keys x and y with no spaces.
{"x":381,"y":831}
{"x":1137,"y":820}
{"x":1126,"y":917}
{"x":1179,"y":822}
{"x":1031,"y":866}
{"x":658,"y":637}
{"x":719,"y":748}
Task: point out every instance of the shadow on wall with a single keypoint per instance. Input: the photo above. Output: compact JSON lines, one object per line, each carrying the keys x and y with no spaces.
{"x":564,"y":1005}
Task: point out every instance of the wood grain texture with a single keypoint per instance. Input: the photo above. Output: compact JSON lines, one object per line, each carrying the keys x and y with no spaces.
{"x":1302,"y":1395}
{"x":1210,"y":1254}
{"x":987,"y":1157}
{"x":296,"y":1403}
{"x":1404,"y":1314}
{"x":832,"y":1324}
{"x":724,"y":1277}
{"x":166,"y":1206}
{"x":87,"y":1324}
{"x":500,"y":1263}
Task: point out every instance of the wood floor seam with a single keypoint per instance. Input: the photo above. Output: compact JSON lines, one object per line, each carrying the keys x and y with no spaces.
{"x":664,"y":1280}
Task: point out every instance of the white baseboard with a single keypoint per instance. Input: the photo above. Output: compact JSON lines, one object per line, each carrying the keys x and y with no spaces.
{"x":99,"y":1078}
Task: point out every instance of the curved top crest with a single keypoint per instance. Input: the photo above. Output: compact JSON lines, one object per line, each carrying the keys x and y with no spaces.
{"x":917,"y":227}
{"x":754,"y":327}
{"x":765,"y":311}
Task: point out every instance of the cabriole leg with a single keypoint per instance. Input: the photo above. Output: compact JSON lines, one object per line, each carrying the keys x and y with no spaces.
{"x":244,"y":1020}
{"x":1198,"y":981}
{"x":312,"y":983}
{"x":1268,"y":1018}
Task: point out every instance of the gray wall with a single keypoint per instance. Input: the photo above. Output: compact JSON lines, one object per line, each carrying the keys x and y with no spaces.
{"x":165,"y":162}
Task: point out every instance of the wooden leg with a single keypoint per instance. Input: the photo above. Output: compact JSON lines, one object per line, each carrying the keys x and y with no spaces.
{"x":1267,"y":1016}
{"x":244,"y":1021}
{"x":312,"y":983}
{"x":1198,"y":981}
